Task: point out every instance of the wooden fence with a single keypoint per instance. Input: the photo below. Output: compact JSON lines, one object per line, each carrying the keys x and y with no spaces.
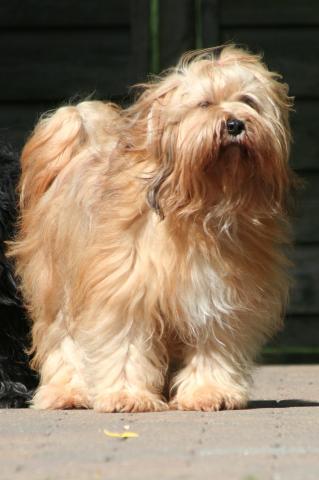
{"x":52,"y":51}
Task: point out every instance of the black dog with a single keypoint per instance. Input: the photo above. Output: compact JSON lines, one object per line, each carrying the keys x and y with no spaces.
{"x":17,"y":380}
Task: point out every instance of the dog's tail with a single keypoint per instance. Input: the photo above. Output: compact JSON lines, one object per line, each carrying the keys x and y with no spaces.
{"x":56,"y":140}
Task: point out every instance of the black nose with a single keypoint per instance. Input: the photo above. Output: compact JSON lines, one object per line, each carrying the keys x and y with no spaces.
{"x":235,"y":127}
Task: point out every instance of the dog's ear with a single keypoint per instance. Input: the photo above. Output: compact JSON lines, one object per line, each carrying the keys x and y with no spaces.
{"x":154,"y":190}
{"x":153,"y":125}
{"x":284,"y":181}
{"x":157,"y":100}
{"x":160,"y":145}
{"x":282,"y":102}
{"x":154,"y":129}
{"x":152,"y":194}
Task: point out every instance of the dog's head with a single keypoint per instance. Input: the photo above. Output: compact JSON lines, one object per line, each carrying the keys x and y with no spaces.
{"x":217,"y":127}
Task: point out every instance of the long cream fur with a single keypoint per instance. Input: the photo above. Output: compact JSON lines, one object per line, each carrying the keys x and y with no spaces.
{"x":149,"y":237}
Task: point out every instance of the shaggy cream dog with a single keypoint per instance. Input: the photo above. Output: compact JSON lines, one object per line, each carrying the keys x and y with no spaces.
{"x":154,"y":235}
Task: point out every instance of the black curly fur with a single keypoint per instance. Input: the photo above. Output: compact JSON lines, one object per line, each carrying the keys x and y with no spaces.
{"x":17,"y":380}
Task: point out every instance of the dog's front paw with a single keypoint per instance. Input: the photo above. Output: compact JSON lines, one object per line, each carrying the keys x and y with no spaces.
{"x":208,"y":399}
{"x":129,"y":402}
{"x":59,"y":397}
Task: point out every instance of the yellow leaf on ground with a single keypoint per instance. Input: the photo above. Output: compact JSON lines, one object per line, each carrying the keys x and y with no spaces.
{"x":120,"y":435}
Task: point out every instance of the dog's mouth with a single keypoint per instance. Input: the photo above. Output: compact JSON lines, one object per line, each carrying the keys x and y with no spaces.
{"x":233,"y":150}
{"x":229,"y":157}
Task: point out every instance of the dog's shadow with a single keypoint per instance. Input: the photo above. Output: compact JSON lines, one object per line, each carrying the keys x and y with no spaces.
{"x":253,"y":404}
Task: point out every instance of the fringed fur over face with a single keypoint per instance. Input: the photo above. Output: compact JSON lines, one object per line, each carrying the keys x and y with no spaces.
{"x":198,"y":161}
{"x":155,"y":235}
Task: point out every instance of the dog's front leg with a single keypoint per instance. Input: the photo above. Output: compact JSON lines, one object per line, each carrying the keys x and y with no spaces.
{"x":126,"y":371}
{"x":211,"y":379}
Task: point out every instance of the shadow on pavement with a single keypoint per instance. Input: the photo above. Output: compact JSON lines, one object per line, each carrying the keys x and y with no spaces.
{"x":282,"y":403}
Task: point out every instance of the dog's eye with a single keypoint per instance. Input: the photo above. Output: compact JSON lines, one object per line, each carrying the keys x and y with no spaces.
{"x":204,"y":104}
{"x":249,"y":101}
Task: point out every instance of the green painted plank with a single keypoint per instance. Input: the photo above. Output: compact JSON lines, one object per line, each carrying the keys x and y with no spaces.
{"x":299,"y":332}
{"x":305,"y":148}
{"x":270,"y":13}
{"x":177,"y":30}
{"x":67,"y":13}
{"x":304,"y":298}
{"x":50,"y":65}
